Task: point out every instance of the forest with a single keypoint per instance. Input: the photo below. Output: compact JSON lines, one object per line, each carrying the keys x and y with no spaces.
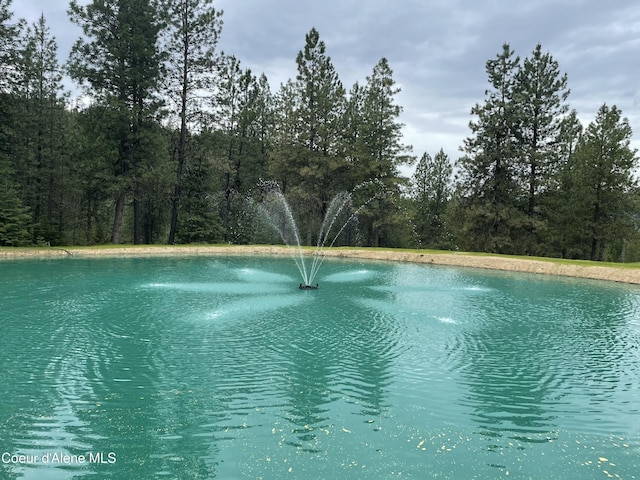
{"x":172,"y":138}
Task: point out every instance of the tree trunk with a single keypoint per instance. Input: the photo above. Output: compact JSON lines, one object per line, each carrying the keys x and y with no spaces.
{"x":177,"y":190}
{"x":116,"y":232}
{"x":137,"y":234}
{"x":595,"y":228}
{"x":174,"y":214}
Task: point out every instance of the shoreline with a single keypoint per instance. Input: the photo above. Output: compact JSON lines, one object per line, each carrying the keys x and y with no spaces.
{"x":628,"y":275}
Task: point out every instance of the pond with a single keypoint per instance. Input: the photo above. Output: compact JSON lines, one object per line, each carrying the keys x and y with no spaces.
{"x":220,"y":367}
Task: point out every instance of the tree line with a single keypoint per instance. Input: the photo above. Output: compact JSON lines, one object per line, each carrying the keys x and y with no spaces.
{"x":173,"y":136}
{"x":531,"y":180}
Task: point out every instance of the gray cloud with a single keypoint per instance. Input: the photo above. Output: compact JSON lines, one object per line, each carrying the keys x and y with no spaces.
{"x":437,"y":49}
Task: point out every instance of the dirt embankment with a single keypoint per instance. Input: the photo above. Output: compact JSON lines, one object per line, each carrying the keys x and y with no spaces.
{"x":621,"y":274}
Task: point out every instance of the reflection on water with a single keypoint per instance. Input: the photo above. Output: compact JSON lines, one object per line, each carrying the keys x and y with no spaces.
{"x":222,"y":368}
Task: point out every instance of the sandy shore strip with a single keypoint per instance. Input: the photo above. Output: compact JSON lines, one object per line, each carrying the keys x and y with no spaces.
{"x":547,"y":267}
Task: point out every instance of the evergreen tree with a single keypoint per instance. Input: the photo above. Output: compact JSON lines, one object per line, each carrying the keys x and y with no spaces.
{"x":9,"y":40}
{"x":379,"y":156}
{"x":320,"y":109}
{"x":541,"y":98}
{"x":15,"y":217}
{"x":228,"y":108}
{"x":88,"y":212}
{"x":241,"y":156}
{"x":601,"y":184}
{"x":155,"y":179}
{"x":322,"y":96}
{"x":304,"y":141}
{"x":200,"y":219}
{"x":353,"y":145}
{"x":287,"y":149}
{"x":381,"y":130}
{"x":119,"y":59}
{"x":489,"y":169}
{"x":263,"y":126}
{"x":557,"y":202}
{"x":431,"y":193}
{"x":40,"y":150}
{"x":190,"y":41}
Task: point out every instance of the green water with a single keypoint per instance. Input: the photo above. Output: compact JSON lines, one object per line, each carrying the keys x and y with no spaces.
{"x":216,"y":367}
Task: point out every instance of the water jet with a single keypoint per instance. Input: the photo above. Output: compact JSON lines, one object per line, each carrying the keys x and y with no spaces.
{"x":340,"y":214}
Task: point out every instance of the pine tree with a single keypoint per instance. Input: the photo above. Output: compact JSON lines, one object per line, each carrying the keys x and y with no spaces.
{"x":9,"y":39}
{"x":489,"y":168}
{"x":557,"y":202}
{"x":381,"y":128}
{"x":200,"y":219}
{"x":320,"y":108}
{"x":119,"y":59}
{"x":40,"y":149}
{"x":322,"y":96}
{"x":353,"y":145}
{"x":89,"y":214}
{"x":264,"y":105}
{"x":601,"y":182}
{"x":431,"y":192}
{"x":15,"y":217}
{"x":541,"y":94}
{"x":228,"y":107}
{"x":287,"y":149}
{"x":242,"y":102}
{"x":380,"y":154}
{"x":190,"y":40}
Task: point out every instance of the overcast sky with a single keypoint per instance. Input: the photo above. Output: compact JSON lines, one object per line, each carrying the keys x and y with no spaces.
{"x":437,"y":50}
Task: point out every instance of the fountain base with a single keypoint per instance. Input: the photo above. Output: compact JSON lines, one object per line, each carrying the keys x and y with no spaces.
{"x":308,"y":287}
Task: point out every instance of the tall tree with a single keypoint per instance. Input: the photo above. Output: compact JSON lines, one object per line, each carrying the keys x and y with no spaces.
{"x":352,"y":140}
{"x":190,"y":40}
{"x":200,"y":219}
{"x":241,"y":156}
{"x":541,"y":95}
{"x":557,"y":201}
{"x":9,"y":39}
{"x":321,"y":104}
{"x":431,"y":193}
{"x":379,"y":156}
{"x":600,"y":177}
{"x":265,"y":110}
{"x":381,"y":128}
{"x":40,"y":150}
{"x":488,"y":170}
{"x":286,"y":149}
{"x":322,"y":96}
{"x":15,"y":217}
{"x":119,"y":59}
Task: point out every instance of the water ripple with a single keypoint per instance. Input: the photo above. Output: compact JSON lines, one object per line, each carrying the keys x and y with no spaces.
{"x":223,"y":368}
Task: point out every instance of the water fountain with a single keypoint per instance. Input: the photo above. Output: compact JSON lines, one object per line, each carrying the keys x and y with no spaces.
{"x":340,"y":214}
